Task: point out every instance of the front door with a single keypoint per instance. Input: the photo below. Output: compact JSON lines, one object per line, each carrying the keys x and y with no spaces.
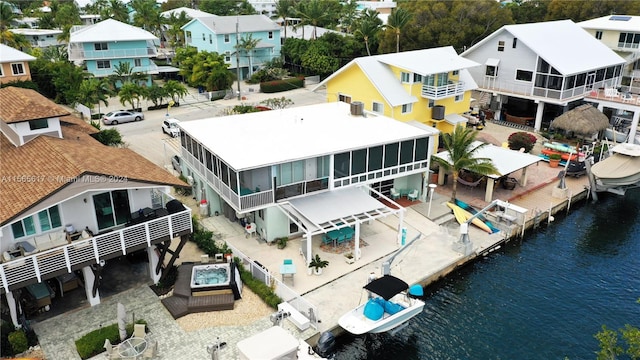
{"x":588,"y":85}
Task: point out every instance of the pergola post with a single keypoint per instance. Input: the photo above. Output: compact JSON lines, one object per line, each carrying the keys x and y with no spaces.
{"x":357,"y":241}
{"x":488,"y":193}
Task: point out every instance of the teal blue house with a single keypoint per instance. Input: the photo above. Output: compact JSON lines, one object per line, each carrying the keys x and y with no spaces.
{"x":220,"y":34}
{"x":103,"y":46}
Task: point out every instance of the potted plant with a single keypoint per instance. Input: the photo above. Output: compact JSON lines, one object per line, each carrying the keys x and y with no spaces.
{"x":281,"y":242}
{"x":554,"y":160}
{"x":318,"y":264}
{"x":350,"y":259}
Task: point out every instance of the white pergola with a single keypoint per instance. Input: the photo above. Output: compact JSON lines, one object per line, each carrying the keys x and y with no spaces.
{"x":505,"y":160}
{"x":333,"y":210}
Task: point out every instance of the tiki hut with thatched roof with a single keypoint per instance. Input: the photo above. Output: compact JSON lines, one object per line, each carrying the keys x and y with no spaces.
{"x":583,"y":120}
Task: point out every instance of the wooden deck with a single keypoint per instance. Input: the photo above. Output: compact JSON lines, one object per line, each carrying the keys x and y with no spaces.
{"x":182,"y":302}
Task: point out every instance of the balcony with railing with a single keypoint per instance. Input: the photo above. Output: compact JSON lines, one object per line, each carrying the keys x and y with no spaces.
{"x":150,"y":69}
{"x":47,"y":264}
{"x":78,"y":53}
{"x":436,"y":92}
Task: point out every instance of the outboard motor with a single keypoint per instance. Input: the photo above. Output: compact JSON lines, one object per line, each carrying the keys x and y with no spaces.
{"x":326,"y":344}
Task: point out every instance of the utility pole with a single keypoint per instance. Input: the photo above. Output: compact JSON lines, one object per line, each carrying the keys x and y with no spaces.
{"x":238,"y":53}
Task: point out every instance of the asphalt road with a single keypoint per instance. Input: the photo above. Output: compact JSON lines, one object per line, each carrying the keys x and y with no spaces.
{"x":147,"y":139}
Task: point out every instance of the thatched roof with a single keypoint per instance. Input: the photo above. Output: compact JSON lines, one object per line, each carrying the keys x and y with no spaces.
{"x":585,"y":119}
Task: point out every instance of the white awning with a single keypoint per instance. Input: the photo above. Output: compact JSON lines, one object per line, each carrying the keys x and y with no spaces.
{"x":455,"y":119}
{"x":492,"y":62}
{"x":336,"y":209}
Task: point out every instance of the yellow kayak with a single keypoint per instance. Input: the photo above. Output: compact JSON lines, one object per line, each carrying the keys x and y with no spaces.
{"x":463,"y":215}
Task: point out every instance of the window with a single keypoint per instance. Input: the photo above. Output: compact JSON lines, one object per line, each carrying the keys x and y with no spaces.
{"x":377,"y":107}
{"x":270,"y":34}
{"x":341,"y":165}
{"x":629,"y":40}
{"x":491,"y":70}
{"x":49,"y":219}
{"x":407,"y":108}
{"x":227,"y":56}
{"x":38,"y":124}
{"x":102,"y":46}
{"x":226,"y":38}
{"x":455,"y":72}
{"x":421,"y":149}
{"x":103,"y":64}
{"x":358,"y":161}
{"x":599,"y":35}
{"x":23,"y":228}
{"x":390,"y":155}
{"x":406,"y":151}
{"x":417,"y":78}
{"x":1,"y":71}
{"x":204,"y":38}
{"x":17,"y":69}
{"x":431,"y":104}
{"x":459,"y":97}
{"x":210,"y":39}
{"x":500,"y":45}
{"x":137,"y":62}
{"x":405,"y":77}
{"x":375,"y":158}
{"x":344,"y":98}
{"x":524,"y":75}
{"x":515,"y":43}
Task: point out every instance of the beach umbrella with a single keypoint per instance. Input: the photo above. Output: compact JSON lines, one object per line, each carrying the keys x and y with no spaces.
{"x":583,"y":120}
{"x":122,"y":321}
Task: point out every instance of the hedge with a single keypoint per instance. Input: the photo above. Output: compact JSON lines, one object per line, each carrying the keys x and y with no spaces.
{"x":282,"y":85}
{"x":18,"y":341}
{"x":92,"y":343}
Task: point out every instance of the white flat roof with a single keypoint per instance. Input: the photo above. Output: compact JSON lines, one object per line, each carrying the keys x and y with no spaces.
{"x":110,"y":30}
{"x":36,"y":31}
{"x":505,"y":160}
{"x":258,"y":139}
{"x":271,"y":344}
{"x":613,"y":22}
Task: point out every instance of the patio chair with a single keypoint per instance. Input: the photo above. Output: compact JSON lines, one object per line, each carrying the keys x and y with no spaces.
{"x":413,"y":195}
{"x":111,"y":350}
{"x":152,"y":351}
{"x":395,"y":194}
{"x":139,"y":330}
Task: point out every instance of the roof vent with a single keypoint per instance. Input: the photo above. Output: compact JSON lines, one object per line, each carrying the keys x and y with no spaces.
{"x":357,"y":108}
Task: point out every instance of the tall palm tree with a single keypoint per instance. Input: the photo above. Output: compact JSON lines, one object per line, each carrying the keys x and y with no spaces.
{"x":147,"y":16}
{"x":131,"y":93}
{"x":397,"y":21}
{"x":248,"y":44}
{"x":175,"y":35}
{"x":312,"y":12}
{"x":175,"y":90}
{"x":366,"y":30}
{"x":286,"y":9}
{"x":7,"y":18}
{"x":462,"y":153}
{"x":93,"y":91}
{"x":116,"y":10}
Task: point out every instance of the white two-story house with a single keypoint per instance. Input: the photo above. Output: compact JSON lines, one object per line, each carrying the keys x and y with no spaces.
{"x":71,"y":204}
{"x":305,"y":170}
{"x":535,"y":72}
{"x":621,"y":33}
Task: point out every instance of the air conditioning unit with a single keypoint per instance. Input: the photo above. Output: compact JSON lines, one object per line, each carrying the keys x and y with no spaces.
{"x":357,"y":108}
{"x":437,"y":112}
{"x":190,"y":180}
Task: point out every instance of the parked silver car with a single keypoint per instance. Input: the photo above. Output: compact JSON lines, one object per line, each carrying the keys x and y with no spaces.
{"x":121,"y":116}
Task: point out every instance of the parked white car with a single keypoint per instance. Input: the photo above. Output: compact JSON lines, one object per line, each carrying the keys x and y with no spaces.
{"x":170,"y":127}
{"x":122,"y":116}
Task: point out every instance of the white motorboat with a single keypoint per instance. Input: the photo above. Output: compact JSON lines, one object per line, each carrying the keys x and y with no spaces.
{"x":614,"y":135}
{"x":390,"y":307}
{"x":621,"y":168}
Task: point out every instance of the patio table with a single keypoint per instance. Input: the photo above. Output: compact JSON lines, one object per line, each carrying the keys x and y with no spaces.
{"x":132,"y":347}
{"x":288,"y":270}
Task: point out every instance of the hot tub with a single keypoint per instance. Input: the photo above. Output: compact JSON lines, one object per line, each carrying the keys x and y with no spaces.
{"x":212,"y":276}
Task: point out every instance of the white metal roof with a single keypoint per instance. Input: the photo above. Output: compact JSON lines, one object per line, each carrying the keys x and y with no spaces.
{"x":613,"y":22}
{"x":455,"y":119}
{"x":271,"y":344}
{"x":110,"y":30}
{"x":505,"y":160}
{"x":25,"y":31}
{"x":9,"y":54}
{"x":338,"y":206}
{"x":191,"y":13}
{"x":563,"y":44}
{"x":423,"y":62}
{"x":269,"y":137}
{"x":298,"y":32}
{"x":246,"y":23}
{"x":492,"y":62}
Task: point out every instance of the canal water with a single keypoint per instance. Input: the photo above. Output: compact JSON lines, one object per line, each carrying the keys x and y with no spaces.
{"x":543,"y":298}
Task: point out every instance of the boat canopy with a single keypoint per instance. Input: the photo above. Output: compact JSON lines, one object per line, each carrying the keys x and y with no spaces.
{"x":387,"y":286}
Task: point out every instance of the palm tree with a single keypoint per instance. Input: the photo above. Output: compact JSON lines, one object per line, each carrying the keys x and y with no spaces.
{"x":147,"y":16}
{"x":93,"y":91}
{"x":461,"y":150}
{"x":131,"y":93}
{"x":367,"y":30}
{"x":123,"y":71}
{"x":175,"y":90}
{"x":7,"y":18}
{"x":312,"y":12}
{"x":248,"y":43}
{"x":397,"y":21}
{"x":286,"y":9}
{"x":116,"y":10}
{"x":174,"y":33}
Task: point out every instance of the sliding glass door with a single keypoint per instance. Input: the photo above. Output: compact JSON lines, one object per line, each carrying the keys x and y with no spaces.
{"x":112,"y":208}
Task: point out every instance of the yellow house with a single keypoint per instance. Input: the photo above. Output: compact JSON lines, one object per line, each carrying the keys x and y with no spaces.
{"x":14,"y":65}
{"x":430,"y":86}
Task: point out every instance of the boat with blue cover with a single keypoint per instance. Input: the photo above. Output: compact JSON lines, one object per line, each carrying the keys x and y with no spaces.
{"x":393,"y":304}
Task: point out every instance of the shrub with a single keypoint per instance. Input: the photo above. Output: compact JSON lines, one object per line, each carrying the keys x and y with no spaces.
{"x":92,"y":343}
{"x":258,"y":287}
{"x":521,"y":139}
{"x":555,"y":156}
{"x":18,"y":341}
{"x":204,"y":239}
{"x":282,"y":85}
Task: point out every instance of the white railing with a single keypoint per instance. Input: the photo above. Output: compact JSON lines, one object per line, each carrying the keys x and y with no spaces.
{"x":43,"y":265}
{"x":287,"y":294}
{"x":440,"y":92}
{"x":81,"y":54}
